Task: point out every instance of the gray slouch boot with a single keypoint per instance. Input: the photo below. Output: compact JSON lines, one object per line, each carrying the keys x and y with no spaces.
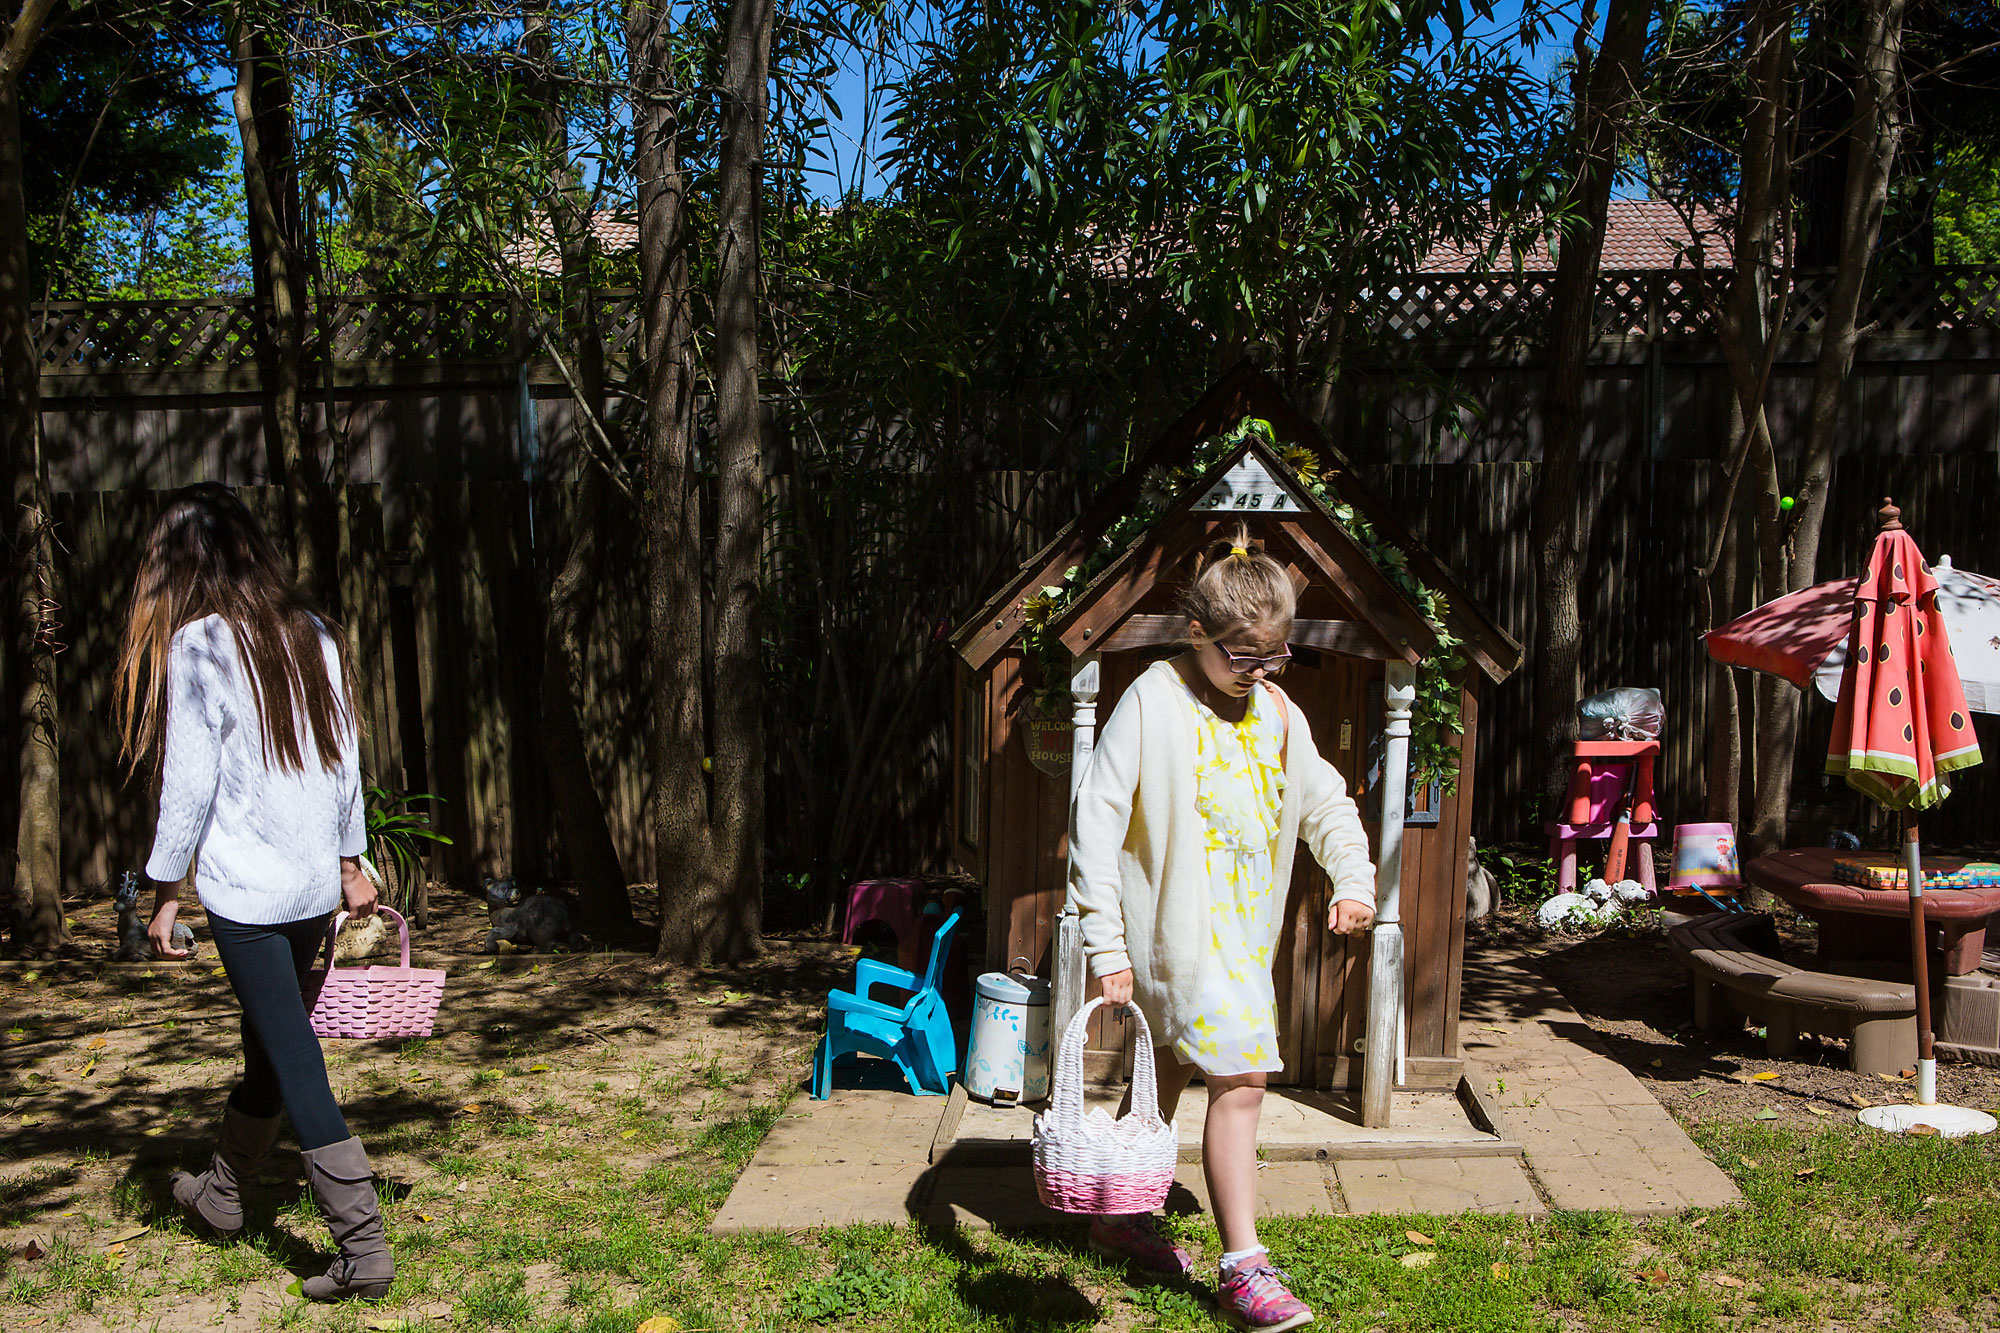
{"x":215,"y":1197}
{"x":344,"y":1187}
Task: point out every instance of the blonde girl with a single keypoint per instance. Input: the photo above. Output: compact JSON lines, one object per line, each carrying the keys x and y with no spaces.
{"x":1204,"y":781}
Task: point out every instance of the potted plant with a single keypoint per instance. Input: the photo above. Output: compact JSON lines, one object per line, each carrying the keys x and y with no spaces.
{"x":394,"y":829}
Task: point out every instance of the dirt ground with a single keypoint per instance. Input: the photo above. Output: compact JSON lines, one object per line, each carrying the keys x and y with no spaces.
{"x":1627,"y":984}
{"x":109,"y":1082}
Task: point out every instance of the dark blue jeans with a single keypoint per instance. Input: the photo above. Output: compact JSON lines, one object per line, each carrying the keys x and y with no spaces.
{"x":283,"y":1068}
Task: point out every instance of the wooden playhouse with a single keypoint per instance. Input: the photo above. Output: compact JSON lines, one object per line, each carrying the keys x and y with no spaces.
{"x":1117,"y":570}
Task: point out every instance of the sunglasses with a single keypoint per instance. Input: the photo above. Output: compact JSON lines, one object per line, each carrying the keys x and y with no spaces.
{"x":1243,"y":665}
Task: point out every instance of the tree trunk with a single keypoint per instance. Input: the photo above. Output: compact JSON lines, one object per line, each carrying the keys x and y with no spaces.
{"x":1872,"y":140}
{"x":672,"y":501}
{"x":1560,"y":532}
{"x":735,"y":922}
{"x":581,"y":500}
{"x":263,"y":123}
{"x":36,"y":918}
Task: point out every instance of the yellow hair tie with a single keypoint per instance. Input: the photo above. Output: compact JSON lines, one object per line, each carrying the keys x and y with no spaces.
{"x":1237,"y":550}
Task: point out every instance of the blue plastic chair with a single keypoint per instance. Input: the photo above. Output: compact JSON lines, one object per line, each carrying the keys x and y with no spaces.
{"x":917,"y":1036}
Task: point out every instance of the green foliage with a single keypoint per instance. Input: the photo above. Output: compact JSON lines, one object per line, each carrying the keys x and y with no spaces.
{"x":1518,"y":878}
{"x":395,"y":831}
{"x":121,"y":146}
{"x":1967,"y":217}
{"x":853,"y":1291}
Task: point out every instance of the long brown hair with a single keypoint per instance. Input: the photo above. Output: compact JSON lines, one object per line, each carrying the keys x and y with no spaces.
{"x":208,"y":556}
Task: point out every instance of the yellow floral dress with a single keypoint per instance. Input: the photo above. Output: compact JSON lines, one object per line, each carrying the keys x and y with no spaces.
{"x":1239,"y":793}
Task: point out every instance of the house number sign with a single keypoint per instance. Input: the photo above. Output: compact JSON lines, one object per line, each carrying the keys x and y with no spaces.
{"x":1248,"y":486}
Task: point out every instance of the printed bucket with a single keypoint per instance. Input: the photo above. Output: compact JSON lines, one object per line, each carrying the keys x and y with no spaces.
{"x":1008,"y":1059}
{"x":1705,"y":854}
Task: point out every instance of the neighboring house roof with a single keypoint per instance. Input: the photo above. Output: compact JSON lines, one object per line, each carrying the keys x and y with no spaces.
{"x":615,"y":235}
{"x":1638,"y":234}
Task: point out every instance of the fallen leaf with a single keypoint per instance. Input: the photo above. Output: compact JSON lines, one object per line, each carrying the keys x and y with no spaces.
{"x":538,"y":1069}
{"x":470,"y":1108}
{"x":36,"y":1322}
{"x":629,"y":1133}
{"x":32,"y":1250}
{"x":1891,"y":1078}
{"x":660,"y":1323}
{"x":295,"y":1287}
{"x":461,"y":1187}
{"x":1500,"y":1272}
{"x":1656,"y":1063}
{"x":1764,"y":1077}
{"x":1724,"y":1280}
{"x":481,"y":967}
{"x":28,"y":1120}
{"x":1804,"y":1172}
{"x":1653,"y":1276}
{"x":154,"y":1132}
{"x":114,"y":1251}
{"x":1819,"y":1110}
{"x":420,"y":1078}
{"x":94,"y":1044}
{"x":223,"y":972}
{"x":89,"y":1068}
{"x":1701,"y":1092}
{"x":1906,"y":1073}
{"x":133,"y":1234}
{"x":1749,"y":1161}
{"x":1420,"y":1259}
{"x":1418,"y":1238}
{"x":1490,"y":1028}
{"x":1922,"y":1131}
{"x":1766,"y":1114}
{"x":1698,"y":1223}
{"x":423,"y":1217}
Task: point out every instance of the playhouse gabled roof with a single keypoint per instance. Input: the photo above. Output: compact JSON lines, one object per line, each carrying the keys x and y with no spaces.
{"x":1244,"y":391}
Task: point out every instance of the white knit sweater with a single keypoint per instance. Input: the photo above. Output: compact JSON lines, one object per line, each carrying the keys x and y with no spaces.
{"x":1138,"y":869}
{"x":270,"y":842}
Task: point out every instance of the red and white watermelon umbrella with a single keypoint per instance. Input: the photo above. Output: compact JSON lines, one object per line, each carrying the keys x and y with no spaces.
{"x":1901,"y":726}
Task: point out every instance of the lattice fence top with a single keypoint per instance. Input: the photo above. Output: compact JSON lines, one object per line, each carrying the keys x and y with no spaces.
{"x":151,"y":337}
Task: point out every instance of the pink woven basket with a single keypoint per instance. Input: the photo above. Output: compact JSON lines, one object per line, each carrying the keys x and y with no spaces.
{"x":373,"y":1002}
{"x":1092,"y":1163}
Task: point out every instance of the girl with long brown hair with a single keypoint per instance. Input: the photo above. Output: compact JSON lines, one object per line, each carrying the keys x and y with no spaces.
{"x":232,"y":685}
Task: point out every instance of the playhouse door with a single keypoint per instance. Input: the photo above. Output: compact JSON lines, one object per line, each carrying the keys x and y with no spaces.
{"x":1322,"y":977}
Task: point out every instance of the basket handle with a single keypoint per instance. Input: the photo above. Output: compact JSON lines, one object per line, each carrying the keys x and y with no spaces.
{"x":1066,"y":1098}
{"x":402,"y":930}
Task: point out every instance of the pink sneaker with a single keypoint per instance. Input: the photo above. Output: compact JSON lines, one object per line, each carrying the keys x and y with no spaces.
{"x":1136,"y":1239}
{"x":1254,"y":1296}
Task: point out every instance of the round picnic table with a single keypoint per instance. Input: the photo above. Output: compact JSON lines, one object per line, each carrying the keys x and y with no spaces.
{"x":1851,"y":921}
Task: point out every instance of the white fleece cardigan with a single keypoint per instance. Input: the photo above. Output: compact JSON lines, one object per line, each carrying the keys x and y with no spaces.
{"x":1138,"y":870}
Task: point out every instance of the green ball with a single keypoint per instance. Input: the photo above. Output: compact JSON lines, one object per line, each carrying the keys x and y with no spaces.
{"x":1786,"y":503}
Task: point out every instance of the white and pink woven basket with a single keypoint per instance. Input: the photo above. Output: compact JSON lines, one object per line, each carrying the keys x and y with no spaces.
{"x":1091,"y":1163}
{"x":373,"y":1002}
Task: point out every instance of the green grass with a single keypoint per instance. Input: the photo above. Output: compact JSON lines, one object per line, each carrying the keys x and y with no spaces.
{"x":589,"y":1214}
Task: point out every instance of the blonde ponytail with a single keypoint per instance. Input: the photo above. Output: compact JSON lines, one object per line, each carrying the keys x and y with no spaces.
{"x":1236,"y":584}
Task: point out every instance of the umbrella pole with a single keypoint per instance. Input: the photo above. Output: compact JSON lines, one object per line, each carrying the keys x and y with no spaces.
{"x":1920,"y":963}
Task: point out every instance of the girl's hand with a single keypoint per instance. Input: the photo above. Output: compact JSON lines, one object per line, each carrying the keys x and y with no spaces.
{"x":1350,"y":918}
{"x":1117,"y":987}
{"x":161,"y":931}
{"x":356,"y":889}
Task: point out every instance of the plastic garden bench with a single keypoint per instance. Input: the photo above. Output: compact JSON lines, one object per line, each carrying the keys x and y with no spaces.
{"x":916,"y":1034}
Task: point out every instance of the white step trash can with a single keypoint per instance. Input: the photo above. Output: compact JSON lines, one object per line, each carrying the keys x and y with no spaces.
{"x":1008,"y":1059}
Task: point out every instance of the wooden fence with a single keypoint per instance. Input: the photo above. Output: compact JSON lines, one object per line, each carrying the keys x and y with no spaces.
{"x":444,"y":420}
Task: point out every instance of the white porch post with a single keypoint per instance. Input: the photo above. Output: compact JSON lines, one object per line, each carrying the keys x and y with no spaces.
{"x":1066,"y":985}
{"x":1382,"y":1058}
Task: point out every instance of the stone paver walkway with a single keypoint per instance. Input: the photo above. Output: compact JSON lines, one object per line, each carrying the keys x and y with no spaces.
{"x":1592,"y":1137}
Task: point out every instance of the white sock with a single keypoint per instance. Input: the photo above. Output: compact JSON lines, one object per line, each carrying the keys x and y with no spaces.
{"x":1235,"y":1257}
